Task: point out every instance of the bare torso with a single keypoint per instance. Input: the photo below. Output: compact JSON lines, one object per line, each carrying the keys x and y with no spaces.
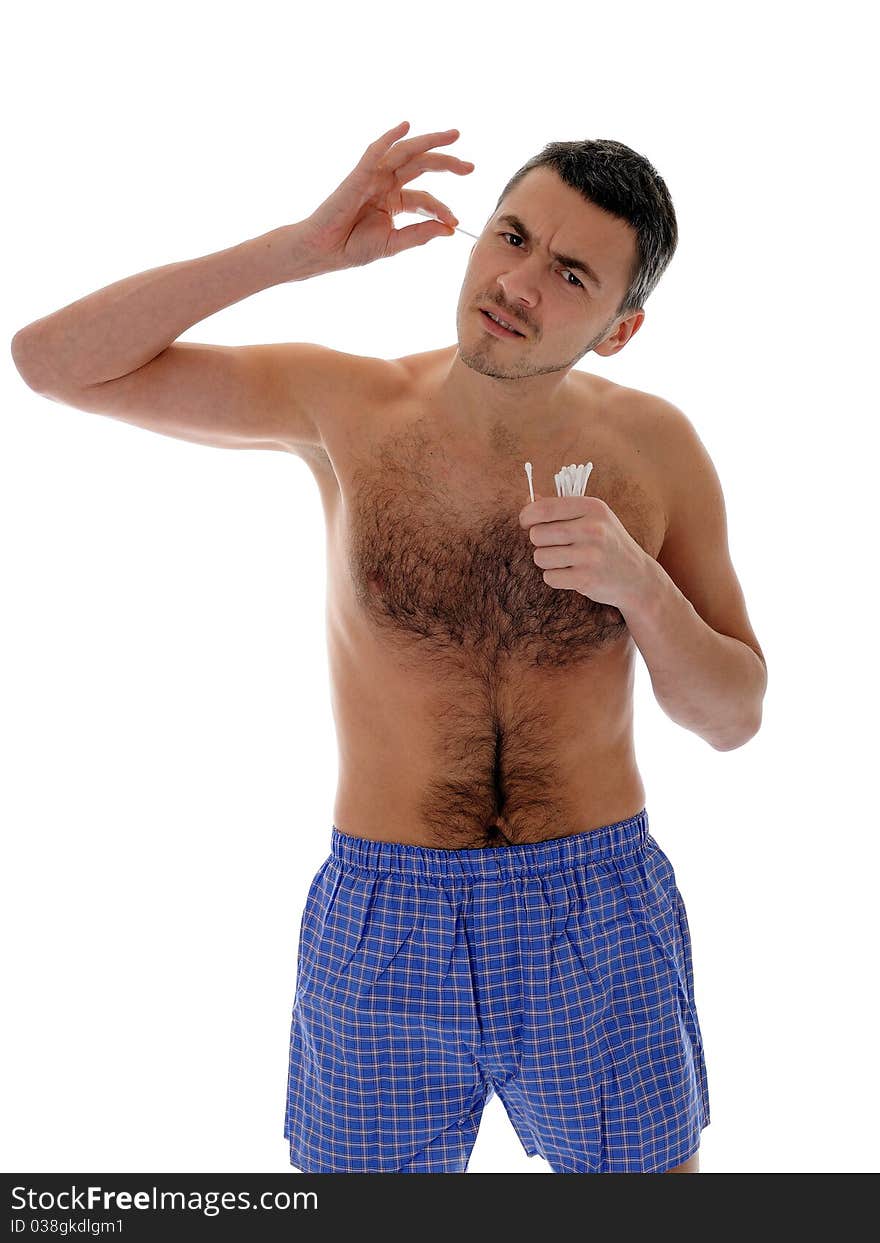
{"x":474,"y":704}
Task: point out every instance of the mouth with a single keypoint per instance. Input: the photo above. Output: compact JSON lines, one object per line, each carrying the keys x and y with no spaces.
{"x":497,"y":328}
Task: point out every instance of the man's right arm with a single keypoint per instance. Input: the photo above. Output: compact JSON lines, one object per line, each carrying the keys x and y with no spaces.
{"x":115,"y":352}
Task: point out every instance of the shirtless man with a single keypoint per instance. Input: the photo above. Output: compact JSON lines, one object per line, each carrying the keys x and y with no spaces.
{"x":494,"y":914}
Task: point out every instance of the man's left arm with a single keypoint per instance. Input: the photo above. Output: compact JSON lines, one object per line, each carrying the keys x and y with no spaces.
{"x":688,"y":614}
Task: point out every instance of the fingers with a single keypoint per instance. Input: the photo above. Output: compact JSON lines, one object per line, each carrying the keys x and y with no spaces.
{"x":423,"y":142}
{"x":390,"y":136}
{"x":405,"y":161}
{"x":395,"y":157}
{"x":411,"y":199}
{"x":411,"y":169}
{"x":415,"y":235}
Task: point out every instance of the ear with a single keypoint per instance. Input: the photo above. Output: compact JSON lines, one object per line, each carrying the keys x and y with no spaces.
{"x":626,"y":329}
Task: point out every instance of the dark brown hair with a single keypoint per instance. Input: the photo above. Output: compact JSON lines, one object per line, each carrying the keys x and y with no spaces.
{"x":620,"y":181}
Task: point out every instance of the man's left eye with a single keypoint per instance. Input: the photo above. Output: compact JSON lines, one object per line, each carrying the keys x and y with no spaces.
{"x":568,"y":270}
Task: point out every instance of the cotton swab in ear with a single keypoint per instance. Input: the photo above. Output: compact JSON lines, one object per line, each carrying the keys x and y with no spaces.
{"x":529,"y":476}
{"x":423,"y":211}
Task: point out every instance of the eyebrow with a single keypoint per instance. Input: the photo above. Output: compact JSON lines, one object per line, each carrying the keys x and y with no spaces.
{"x":568,"y":260}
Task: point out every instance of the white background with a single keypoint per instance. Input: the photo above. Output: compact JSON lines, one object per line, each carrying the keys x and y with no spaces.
{"x":168,"y":751}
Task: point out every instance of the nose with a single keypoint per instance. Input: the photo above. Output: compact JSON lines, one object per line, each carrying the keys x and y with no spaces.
{"x":519,"y":289}
{"x":518,"y":298}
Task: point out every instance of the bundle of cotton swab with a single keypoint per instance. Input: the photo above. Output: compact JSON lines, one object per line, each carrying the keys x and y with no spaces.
{"x":572,"y":480}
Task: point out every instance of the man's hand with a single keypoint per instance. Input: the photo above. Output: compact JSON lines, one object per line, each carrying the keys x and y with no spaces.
{"x":581,"y":545}
{"x":355,"y":225}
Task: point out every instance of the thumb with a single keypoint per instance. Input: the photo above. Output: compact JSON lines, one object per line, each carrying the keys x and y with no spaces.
{"x":416,"y":235}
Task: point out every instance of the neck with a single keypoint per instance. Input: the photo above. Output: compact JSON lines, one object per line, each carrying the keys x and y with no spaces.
{"x":476,"y":403}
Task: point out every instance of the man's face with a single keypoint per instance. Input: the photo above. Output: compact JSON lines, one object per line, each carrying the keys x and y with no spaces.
{"x":562,"y":313}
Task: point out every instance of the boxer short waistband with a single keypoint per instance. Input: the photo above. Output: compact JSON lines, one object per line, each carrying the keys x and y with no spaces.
{"x":621,"y":838}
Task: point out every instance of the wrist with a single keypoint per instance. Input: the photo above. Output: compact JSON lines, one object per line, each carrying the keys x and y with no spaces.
{"x":650,"y":586}
{"x":287,"y":254}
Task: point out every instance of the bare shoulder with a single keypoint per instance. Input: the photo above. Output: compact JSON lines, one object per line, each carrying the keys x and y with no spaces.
{"x":658,"y":443}
{"x":660,"y":429}
{"x":345,"y":382}
{"x":648,"y":414}
{"x":682,"y":465}
{"x":344,"y":393}
{"x":695,"y":552}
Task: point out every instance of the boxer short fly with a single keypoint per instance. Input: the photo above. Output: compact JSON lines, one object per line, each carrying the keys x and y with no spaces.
{"x":556,"y":974}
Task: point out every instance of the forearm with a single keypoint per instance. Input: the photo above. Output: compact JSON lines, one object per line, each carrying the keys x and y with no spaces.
{"x":125,"y":325}
{"x":710,"y":683}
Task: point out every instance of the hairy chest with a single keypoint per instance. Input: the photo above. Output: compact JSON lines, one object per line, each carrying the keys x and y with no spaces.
{"x":436,"y":558}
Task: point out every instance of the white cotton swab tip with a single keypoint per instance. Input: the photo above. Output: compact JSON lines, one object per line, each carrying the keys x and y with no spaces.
{"x":423,"y":211}
{"x":529,"y":477}
{"x":572,"y":480}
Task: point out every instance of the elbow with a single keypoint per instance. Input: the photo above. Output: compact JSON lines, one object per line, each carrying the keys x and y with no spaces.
{"x":745,"y":731}
{"x":737,"y":738}
{"x":32,"y":364}
{"x":24,"y":360}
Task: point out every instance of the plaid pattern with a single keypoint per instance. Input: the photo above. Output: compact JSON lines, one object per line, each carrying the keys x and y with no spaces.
{"x":557,"y":974}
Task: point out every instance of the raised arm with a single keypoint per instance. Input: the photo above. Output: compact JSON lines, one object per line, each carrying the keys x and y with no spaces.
{"x":115,"y":351}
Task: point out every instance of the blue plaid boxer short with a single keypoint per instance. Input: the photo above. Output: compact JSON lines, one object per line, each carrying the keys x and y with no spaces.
{"x":556,"y":974}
